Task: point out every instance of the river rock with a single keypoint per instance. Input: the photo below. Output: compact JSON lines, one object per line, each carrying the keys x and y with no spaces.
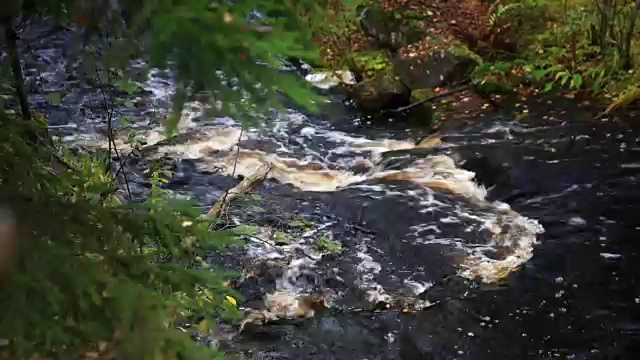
{"x":383,"y":91}
{"x":389,"y":29}
{"x":423,"y":113}
{"x":434,"y":69}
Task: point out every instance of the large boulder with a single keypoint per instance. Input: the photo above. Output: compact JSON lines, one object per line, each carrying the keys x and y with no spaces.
{"x":383,"y":91}
{"x":388,"y":29}
{"x":434,"y":68}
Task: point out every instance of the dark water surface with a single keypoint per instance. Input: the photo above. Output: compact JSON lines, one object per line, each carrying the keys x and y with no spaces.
{"x":577,"y":297}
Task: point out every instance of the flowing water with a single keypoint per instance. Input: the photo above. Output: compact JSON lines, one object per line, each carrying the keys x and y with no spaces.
{"x":505,"y":239}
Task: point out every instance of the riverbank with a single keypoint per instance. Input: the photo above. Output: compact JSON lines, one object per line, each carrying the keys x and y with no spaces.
{"x":389,"y":46}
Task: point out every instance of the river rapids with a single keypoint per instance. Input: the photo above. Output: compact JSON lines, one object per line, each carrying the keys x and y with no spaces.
{"x":483,"y":242}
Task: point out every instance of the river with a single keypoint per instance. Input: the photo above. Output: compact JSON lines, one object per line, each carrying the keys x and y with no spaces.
{"x":511,"y":238}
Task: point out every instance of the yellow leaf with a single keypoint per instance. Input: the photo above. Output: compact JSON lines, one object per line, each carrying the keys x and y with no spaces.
{"x":203,"y":326}
{"x":231,"y":300}
{"x":405,"y":310}
{"x":227,"y":17}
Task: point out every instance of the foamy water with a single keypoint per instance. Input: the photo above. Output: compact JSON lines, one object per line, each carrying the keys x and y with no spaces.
{"x":313,"y":157}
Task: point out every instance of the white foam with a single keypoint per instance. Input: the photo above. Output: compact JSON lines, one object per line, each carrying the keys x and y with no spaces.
{"x":302,"y":160}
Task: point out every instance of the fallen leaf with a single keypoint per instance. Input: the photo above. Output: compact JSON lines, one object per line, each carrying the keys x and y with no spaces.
{"x":102,"y":345}
{"x":227,"y":17}
{"x":203,"y":327}
{"x":231,"y":300}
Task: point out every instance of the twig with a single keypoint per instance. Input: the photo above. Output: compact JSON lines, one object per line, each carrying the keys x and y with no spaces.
{"x":121,"y":168}
{"x":362,"y":229}
{"x":276,"y":248}
{"x":430,"y":98}
{"x":601,"y":115}
{"x":110,"y":139}
{"x":235,"y":165}
{"x":106,"y":109}
{"x":124,"y":173}
{"x":265,"y":242}
{"x":314,"y":231}
{"x":61,"y":160}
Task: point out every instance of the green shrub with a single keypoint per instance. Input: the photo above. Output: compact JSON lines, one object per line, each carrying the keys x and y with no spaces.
{"x":91,"y":271}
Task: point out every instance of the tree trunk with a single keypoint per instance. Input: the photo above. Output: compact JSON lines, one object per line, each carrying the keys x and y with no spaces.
{"x":12,"y":45}
{"x":629,"y":36}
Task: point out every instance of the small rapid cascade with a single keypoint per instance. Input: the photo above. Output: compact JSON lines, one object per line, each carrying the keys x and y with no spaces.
{"x":312,"y":157}
{"x":400,"y":228}
{"x":358,"y":222}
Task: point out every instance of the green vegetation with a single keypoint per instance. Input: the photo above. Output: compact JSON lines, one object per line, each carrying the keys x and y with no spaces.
{"x":337,"y":34}
{"x":93,"y":276}
{"x":371,"y":63}
{"x":92,"y":273}
{"x":298,"y":222}
{"x":327,"y":244}
{"x":585,"y":45}
{"x":281,"y":238}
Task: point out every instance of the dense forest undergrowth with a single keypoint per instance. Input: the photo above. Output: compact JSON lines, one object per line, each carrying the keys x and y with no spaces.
{"x":587,"y":49}
{"x":84,"y":274}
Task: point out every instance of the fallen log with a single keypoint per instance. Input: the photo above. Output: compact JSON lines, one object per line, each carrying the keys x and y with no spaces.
{"x":431,"y":98}
{"x":246,"y":185}
{"x":430,"y":141}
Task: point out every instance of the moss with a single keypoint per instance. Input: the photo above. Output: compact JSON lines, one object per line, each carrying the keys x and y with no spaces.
{"x":370,"y":63}
{"x":299,"y":222}
{"x":281,"y":238}
{"x":460,"y":49}
{"x":421,"y":94}
{"x":379,"y":92}
{"x":422,"y":114}
{"x":329,"y":245}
